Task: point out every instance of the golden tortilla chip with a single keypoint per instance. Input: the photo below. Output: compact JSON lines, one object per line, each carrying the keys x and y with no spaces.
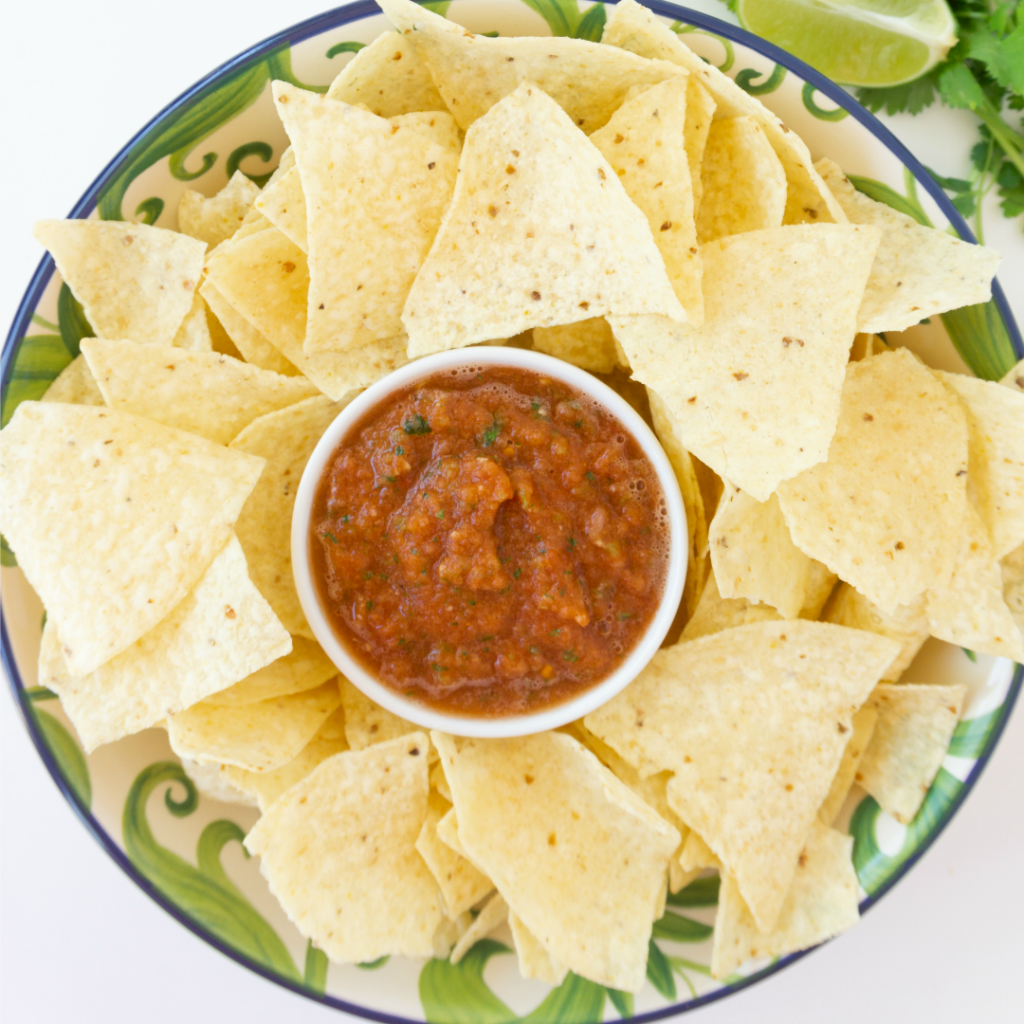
{"x":743,"y":183}
{"x":863,"y":729}
{"x":303,"y":668}
{"x":819,"y":590}
{"x":284,"y":205}
{"x":133,"y":281}
{"x":285,"y":440}
{"x":537,"y":814}
{"x":448,"y":832}
{"x":203,"y":392}
{"x":700,"y":109}
{"x":715,"y":613}
{"x":808,"y":198}
{"x":753,"y":555}
{"x":915,"y":725}
{"x":215,"y":219}
{"x":756,"y":388}
{"x":918,"y":271}
{"x":211,"y":780}
{"x":907,"y":624}
{"x":643,"y":142}
{"x":74,"y":385}
{"x":388,"y":78}
{"x":438,"y":126}
{"x":822,"y":902}
{"x":588,"y":344}
{"x":257,"y":737}
{"x":697,"y":856}
{"x":461,"y":885}
{"x":534,"y":959}
{"x":113,"y":518}
{"x":886,"y":511}
{"x":538,"y":206}
{"x":493,"y":915}
{"x":1015,"y":378}
{"x":221,"y":632}
{"x":338,"y":851}
{"x":995,"y":445}
{"x":750,"y":721}
{"x":375,"y":194}
{"x":1012,"y":568}
{"x":970,"y":611}
{"x":194,"y":332}
{"x":367,"y":723}
{"x":472,"y":72}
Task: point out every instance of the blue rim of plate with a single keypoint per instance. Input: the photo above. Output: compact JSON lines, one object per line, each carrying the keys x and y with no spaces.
{"x":296,"y":34}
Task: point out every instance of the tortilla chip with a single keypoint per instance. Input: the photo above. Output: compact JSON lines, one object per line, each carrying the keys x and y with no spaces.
{"x":751,"y":722}
{"x":808,"y":198}
{"x":863,"y":729}
{"x":588,"y":344}
{"x":388,"y":78}
{"x":715,"y":613}
{"x":472,"y":72}
{"x":753,"y":555}
{"x":493,"y":914}
{"x":303,"y":668}
{"x":907,"y":624}
{"x":211,"y":781}
{"x":643,"y":142}
{"x":744,"y":185}
{"x":538,"y":206}
{"x":461,"y":885}
{"x":697,"y":856}
{"x":887,"y":508}
{"x":113,"y":518}
{"x":448,"y":832}
{"x":540,"y":813}
{"x":203,"y":392}
{"x":215,"y":219}
{"x":438,"y":126}
{"x":534,"y":959}
{"x":1015,"y":378}
{"x":133,"y":281}
{"x":919,"y":271}
{"x":285,"y":440}
{"x":366,"y":722}
{"x":194,"y":332}
{"x":1012,"y":568}
{"x":915,"y":725}
{"x":357,"y":898}
{"x":257,"y":737}
{"x":756,"y":389}
{"x":970,"y":611}
{"x":74,"y":385}
{"x":263,"y":788}
{"x":819,"y":590}
{"x":284,"y":205}
{"x":248,"y":342}
{"x":821,"y":903}
{"x":995,"y":469}
{"x":221,"y":632}
{"x":700,"y":109}
{"x":265,"y":277}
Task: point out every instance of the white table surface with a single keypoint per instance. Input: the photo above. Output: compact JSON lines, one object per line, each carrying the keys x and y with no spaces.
{"x":78,"y":941}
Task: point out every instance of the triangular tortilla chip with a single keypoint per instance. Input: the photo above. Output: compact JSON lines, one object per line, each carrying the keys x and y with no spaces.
{"x":902,"y":440}
{"x":750,"y":721}
{"x":204,"y":392}
{"x":534,"y":959}
{"x":437,"y":125}
{"x":74,"y":385}
{"x":970,"y":611}
{"x":221,"y":632}
{"x":756,"y":388}
{"x":588,"y":344}
{"x":821,"y":902}
{"x":285,"y":439}
{"x":338,"y":851}
{"x":215,"y":219}
{"x":472,"y":73}
{"x":808,"y":198}
{"x":375,"y":194}
{"x":540,"y":232}
{"x":257,"y":737}
{"x":367,"y":723}
{"x":578,"y":856}
{"x":918,"y":271}
{"x":863,"y":729}
{"x":388,"y":78}
{"x":697,"y":856}
{"x":493,"y":914}
{"x":995,"y":467}
{"x":643,"y":142}
{"x":1012,"y":568}
{"x":743,"y":184}
{"x":700,"y":109}
{"x":915,"y":725}
{"x":304,"y":668}
{"x":133,"y":281}
{"x":1015,"y":378}
{"x":907,"y":623}
{"x":211,"y":780}
{"x":284,"y":205}
{"x":194,"y":332}
{"x":114,"y":518}
{"x":823,"y":581}
{"x":265,"y":277}
{"x":715,"y":613}
{"x":754,"y":556}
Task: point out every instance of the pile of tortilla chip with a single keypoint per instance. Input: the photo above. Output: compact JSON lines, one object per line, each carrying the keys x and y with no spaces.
{"x":626,"y":207}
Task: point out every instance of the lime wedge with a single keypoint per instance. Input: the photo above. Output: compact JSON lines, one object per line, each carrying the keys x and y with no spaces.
{"x":857,"y":42}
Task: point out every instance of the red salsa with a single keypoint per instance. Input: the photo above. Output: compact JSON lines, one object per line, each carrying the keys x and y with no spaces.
{"x":489,"y":541}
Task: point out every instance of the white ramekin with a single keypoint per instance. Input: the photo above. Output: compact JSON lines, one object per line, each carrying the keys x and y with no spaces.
{"x":512,"y":725}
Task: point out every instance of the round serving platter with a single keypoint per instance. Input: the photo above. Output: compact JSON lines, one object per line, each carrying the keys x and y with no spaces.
{"x":133,"y":795}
